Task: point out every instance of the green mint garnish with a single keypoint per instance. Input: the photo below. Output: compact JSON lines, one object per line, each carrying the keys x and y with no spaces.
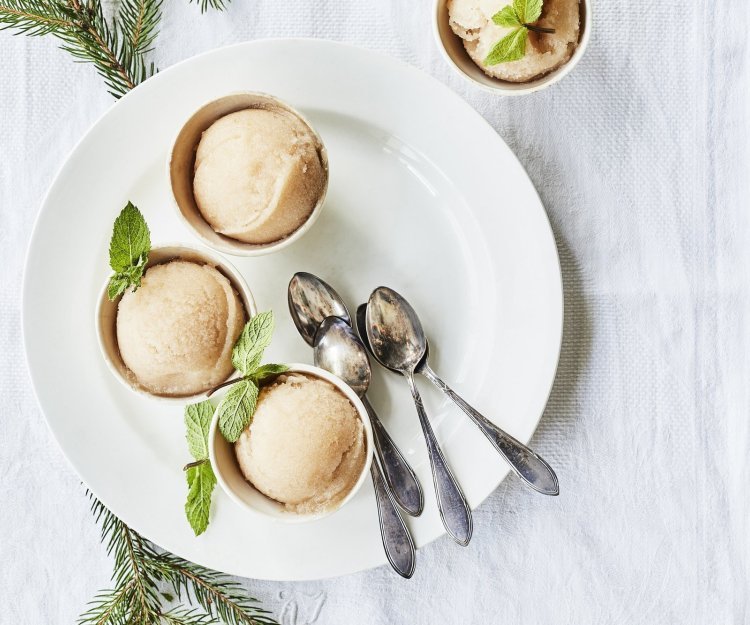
{"x":201,"y":481}
{"x":128,"y":251}
{"x":510,"y":48}
{"x":235,"y":412}
{"x":528,"y":11}
{"x":200,"y":476}
{"x":237,"y":407}
{"x":265,"y":372}
{"x":520,"y":17}
{"x":197,"y":421}
{"x":255,"y":337}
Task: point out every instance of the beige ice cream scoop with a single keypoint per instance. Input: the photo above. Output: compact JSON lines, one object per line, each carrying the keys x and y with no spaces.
{"x":176,"y":332}
{"x":258,"y":174}
{"x":306,"y":445}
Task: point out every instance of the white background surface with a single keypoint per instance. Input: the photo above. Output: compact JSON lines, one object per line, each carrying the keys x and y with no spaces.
{"x":641,"y":158}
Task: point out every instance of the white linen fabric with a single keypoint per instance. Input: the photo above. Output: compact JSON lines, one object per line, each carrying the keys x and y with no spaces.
{"x":641,"y":159}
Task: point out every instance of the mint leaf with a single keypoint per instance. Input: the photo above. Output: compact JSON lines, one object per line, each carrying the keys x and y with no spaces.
{"x":117,"y":285}
{"x":528,"y":11}
{"x":255,"y":337}
{"x":130,"y":241}
{"x":236,"y":409}
{"x":197,"y":422}
{"x":128,"y":251}
{"x":510,"y":48}
{"x":507,"y":17}
{"x":268,"y":371}
{"x":201,"y":481}
{"x":200,"y":477}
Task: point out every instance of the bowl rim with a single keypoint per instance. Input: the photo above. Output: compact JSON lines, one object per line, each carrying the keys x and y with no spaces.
{"x":228,"y":245}
{"x":227,"y":269}
{"x":504,"y":88}
{"x":283,"y":516}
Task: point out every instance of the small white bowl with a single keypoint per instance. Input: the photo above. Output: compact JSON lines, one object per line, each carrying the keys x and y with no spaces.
{"x":227,"y":469}
{"x":452,"y":47}
{"x":106,"y":315}
{"x":181,"y":165}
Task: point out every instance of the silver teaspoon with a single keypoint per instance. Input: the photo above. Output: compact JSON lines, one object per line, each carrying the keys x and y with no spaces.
{"x":338,"y":350}
{"x":311,"y":301}
{"x":396,"y":338}
{"x":527,"y":464}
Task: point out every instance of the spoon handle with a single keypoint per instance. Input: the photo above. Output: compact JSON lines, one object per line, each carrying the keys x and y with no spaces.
{"x":397,"y":541}
{"x":399,"y":476}
{"x":529,"y":466}
{"x":454,"y":510}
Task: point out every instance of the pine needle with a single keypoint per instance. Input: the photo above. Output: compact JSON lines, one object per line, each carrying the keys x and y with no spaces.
{"x":205,"y":5}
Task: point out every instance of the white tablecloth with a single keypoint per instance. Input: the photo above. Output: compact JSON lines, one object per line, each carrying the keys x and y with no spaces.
{"x":641,"y":158}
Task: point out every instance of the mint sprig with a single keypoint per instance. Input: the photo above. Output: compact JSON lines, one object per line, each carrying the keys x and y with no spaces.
{"x":235,"y":412}
{"x":200,"y":476}
{"x":518,"y":16}
{"x":128,"y":251}
{"x":237,"y":407}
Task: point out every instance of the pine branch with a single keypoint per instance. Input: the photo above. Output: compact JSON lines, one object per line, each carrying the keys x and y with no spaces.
{"x":33,"y":17}
{"x":139,"y":20}
{"x":217,"y":594}
{"x":116,"y":50}
{"x":140,"y":574}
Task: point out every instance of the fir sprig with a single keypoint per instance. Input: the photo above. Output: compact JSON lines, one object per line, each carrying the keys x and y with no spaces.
{"x":117,"y":47}
{"x":145,"y":581}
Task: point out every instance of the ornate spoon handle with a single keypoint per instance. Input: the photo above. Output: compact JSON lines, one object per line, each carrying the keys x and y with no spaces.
{"x":529,"y":466}
{"x":397,"y":542}
{"x":399,"y":476}
{"x":454,"y":510}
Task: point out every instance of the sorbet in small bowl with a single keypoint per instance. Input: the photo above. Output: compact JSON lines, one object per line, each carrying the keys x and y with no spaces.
{"x":248,"y":174}
{"x":306,"y":452}
{"x":467,"y":31}
{"x":173,"y":336}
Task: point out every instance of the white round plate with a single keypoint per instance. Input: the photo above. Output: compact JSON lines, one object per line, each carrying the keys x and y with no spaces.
{"x":424,"y":197}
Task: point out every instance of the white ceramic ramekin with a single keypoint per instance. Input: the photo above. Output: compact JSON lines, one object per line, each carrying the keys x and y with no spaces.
{"x":181,"y":164}
{"x":106,"y":314}
{"x":452,"y":47}
{"x":231,"y":480}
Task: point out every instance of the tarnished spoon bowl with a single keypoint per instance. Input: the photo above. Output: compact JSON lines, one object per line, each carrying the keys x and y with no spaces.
{"x":310,"y":301}
{"x":339,"y":350}
{"x":394,"y":331}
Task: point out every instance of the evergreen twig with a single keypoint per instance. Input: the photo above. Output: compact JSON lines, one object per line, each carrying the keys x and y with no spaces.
{"x":117,"y":47}
{"x":144,"y":579}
